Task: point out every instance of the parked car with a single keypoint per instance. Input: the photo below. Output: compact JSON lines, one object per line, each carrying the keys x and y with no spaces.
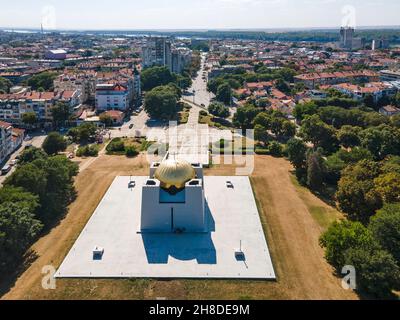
{"x":6,"y":169}
{"x":131,"y":126}
{"x":14,"y":162}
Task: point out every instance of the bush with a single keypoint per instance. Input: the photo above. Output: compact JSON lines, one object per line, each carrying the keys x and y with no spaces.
{"x":260,"y":151}
{"x":116,"y":146}
{"x":203,"y":113}
{"x":218,"y":109}
{"x":130,"y":151}
{"x":88,"y":151}
{"x":275,"y":149}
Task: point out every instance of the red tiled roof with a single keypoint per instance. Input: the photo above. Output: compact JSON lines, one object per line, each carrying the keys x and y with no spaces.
{"x":4,"y":124}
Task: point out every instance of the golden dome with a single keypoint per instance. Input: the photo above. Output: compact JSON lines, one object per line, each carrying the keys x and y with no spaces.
{"x":174,"y":173}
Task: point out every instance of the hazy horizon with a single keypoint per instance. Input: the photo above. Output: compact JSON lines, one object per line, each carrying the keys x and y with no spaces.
{"x":193,"y":15}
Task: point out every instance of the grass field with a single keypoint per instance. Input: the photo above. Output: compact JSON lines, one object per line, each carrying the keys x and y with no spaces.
{"x":292,"y":217}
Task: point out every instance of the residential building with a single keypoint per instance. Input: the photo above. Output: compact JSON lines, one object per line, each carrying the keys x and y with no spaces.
{"x":311,"y":80}
{"x":117,"y":116}
{"x":157,"y":51}
{"x":348,"y":39}
{"x":58,"y":54}
{"x":380,"y":44}
{"x":17,"y":138}
{"x":110,"y":96}
{"x":13,"y":106}
{"x":389,"y":111}
{"x":5,"y":140}
{"x":390,"y":75}
{"x":377,"y":90}
{"x":180,"y":58}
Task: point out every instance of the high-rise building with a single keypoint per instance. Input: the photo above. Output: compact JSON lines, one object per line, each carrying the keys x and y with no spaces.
{"x":157,"y":52}
{"x":349,"y":41}
{"x":380,"y":44}
{"x":346,"y":37}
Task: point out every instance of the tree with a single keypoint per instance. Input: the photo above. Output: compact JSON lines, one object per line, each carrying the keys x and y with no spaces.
{"x":54,"y":143}
{"x":26,"y":199}
{"x":319,"y":133}
{"x":349,"y":136}
{"x":338,"y":161}
{"x":356,"y":193}
{"x":106,"y":119}
{"x":381,"y":141}
{"x":315,"y":171}
{"x":224,"y":93}
{"x":84,"y":133}
{"x":245,"y":116}
{"x":213,"y":84}
{"x":155,"y":77}
{"x":342,"y":236}
{"x":184,"y":82}
{"x":288,"y":129}
{"x":283,"y":86}
{"x":296,"y":150}
{"x":377,"y":271}
{"x":42,"y":80}
{"x":388,"y":186}
{"x":385,"y":227}
{"x":306,"y":109}
{"x":369,"y":101}
{"x":29,"y":118}
{"x":161,"y":103}
{"x":30,"y":178}
{"x":396,"y":99}
{"x":260,"y":133}
{"x":219,"y":110}
{"x":395,"y":120}
{"x":5,"y":85}
{"x":18,"y":229}
{"x":61,"y":113}
{"x":59,"y":189}
{"x":31,"y":154}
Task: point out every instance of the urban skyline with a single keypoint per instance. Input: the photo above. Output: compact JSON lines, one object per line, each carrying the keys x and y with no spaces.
{"x":178,"y":14}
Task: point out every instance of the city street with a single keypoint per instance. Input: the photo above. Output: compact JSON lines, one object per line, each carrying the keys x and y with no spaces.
{"x":199,"y":86}
{"x":36,"y":141}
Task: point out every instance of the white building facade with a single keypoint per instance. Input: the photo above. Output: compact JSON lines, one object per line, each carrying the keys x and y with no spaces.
{"x":173,"y":199}
{"x":112,"y":97}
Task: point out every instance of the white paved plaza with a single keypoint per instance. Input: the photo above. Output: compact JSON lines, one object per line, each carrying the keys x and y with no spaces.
{"x":232,"y":217}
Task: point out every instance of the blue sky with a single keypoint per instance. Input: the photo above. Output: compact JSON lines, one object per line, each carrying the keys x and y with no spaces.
{"x":193,"y":14}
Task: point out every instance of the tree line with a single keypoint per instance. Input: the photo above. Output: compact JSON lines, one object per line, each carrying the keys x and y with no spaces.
{"x":34,"y":197}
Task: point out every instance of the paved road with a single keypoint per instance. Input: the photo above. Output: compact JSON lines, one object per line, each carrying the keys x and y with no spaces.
{"x":201,"y":96}
{"x":36,"y":141}
{"x":139,"y":124}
